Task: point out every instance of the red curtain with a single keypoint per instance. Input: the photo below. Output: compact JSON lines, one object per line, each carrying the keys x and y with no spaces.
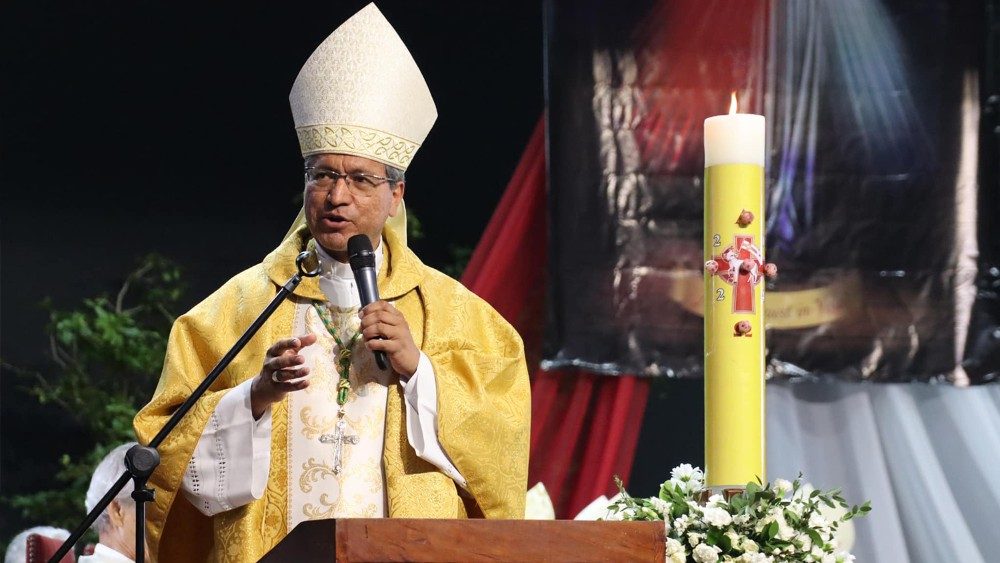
{"x":584,"y":426}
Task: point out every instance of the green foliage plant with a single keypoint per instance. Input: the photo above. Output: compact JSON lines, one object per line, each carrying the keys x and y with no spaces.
{"x":106,"y":355}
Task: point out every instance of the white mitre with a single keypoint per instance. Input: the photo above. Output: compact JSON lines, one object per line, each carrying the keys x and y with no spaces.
{"x":361,"y":93}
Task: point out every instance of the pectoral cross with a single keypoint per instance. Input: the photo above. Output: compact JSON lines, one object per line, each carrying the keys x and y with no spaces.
{"x":338,"y":439}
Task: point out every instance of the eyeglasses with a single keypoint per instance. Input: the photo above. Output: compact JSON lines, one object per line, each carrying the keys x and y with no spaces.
{"x":359,"y":183}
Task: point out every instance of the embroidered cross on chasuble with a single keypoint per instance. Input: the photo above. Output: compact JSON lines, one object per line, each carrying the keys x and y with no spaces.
{"x":335,"y":453}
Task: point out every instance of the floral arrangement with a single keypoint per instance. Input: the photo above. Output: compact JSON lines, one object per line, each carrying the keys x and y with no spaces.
{"x":766,"y":523}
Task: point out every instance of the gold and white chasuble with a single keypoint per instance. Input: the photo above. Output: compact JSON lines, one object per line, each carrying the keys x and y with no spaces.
{"x":344,"y":478}
{"x":480,"y":434}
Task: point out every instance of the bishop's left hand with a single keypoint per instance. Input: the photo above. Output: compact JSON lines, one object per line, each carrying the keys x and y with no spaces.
{"x":384,"y":328}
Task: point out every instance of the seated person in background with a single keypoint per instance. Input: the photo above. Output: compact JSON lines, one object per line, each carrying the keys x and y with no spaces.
{"x":17,"y":550}
{"x":115,"y":526}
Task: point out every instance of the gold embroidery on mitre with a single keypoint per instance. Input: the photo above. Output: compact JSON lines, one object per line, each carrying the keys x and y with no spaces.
{"x":359,"y":141}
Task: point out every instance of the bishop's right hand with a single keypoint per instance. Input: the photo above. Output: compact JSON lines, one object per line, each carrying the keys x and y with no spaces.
{"x":284,"y":371}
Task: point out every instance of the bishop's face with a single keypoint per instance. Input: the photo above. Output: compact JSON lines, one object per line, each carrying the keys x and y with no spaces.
{"x":347,"y":207}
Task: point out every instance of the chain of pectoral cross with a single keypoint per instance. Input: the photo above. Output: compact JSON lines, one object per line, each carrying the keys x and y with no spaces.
{"x":344,"y":353}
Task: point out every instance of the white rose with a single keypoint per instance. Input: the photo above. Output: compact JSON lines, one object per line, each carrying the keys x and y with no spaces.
{"x":749,"y":546}
{"x":754,"y":558}
{"x":681,"y":523}
{"x":694,"y":538}
{"x":705,"y":553}
{"x":716,"y":500}
{"x":717,"y":517}
{"x":781,"y":486}
{"x":785,"y":532}
{"x":675,"y":551}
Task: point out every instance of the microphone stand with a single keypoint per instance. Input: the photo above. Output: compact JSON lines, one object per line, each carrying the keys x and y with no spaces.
{"x":140,"y":461}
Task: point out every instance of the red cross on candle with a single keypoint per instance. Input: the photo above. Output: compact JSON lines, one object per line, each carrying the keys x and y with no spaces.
{"x":740,"y":265}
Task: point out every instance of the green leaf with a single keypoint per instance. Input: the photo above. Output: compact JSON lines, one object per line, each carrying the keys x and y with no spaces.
{"x":815,"y":537}
{"x":715,"y":536}
{"x":107,"y":356}
{"x":791,"y":518}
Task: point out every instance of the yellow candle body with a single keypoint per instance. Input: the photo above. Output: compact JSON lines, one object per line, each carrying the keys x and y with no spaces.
{"x":734,"y":359}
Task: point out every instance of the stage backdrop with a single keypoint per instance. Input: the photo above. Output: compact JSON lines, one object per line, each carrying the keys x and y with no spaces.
{"x":873,"y":207}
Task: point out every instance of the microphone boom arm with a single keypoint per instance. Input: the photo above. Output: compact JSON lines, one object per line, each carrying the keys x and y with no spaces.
{"x":141,"y":461}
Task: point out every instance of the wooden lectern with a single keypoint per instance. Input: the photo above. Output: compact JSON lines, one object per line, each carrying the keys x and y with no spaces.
{"x":390,"y":539}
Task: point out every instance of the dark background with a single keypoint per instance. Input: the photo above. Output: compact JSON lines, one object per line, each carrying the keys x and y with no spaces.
{"x":131,"y":127}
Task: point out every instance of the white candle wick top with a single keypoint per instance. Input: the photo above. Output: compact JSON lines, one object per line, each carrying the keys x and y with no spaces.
{"x":737,"y":138}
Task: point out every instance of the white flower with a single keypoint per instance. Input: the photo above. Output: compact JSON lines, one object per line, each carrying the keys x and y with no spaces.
{"x":734,"y":539}
{"x":666,"y":526}
{"x":694,"y":538}
{"x":623,"y":514}
{"x":803,"y":541}
{"x":785,"y":532}
{"x":684,"y":472}
{"x":675,"y":551}
{"x":754,"y":558}
{"x":716,"y":500}
{"x":817,"y":520}
{"x":741,"y":519}
{"x":681,"y":523}
{"x":797,"y":507}
{"x":749,"y":546}
{"x":781,"y":487}
{"x":660,"y":505}
{"x":717,"y":517}
{"x":705,"y":553}
{"x":687,"y":478}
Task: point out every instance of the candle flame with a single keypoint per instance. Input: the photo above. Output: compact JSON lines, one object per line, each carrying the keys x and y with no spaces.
{"x":732,"y":103}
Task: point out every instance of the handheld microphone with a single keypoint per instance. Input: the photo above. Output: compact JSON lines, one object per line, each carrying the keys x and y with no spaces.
{"x":362,"y":258}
